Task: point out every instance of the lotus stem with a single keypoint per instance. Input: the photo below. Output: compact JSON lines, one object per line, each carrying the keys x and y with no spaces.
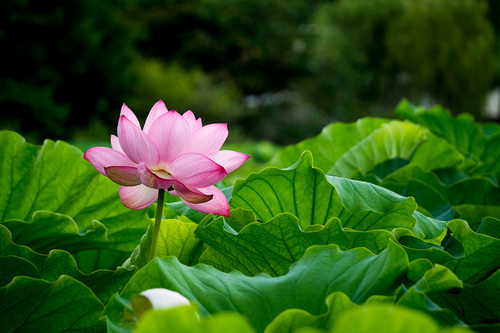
{"x":156,"y":228}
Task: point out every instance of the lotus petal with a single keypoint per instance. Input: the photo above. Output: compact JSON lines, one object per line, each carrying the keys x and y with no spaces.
{"x":191,"y":195}
{"x":229,"y":159}
{"x":162,"y":298}
{"x":115,"y":143}
{"x":218,"y":205}
{"x":137,"y":197}
{"x":196,"y":170}
{"x":103,"y":157}
{"x":157,"y":110}
{"x":194,"y":123}
{"x":130,"y":115}
{"x":208,"y":139}
{"x":136,"y":144}
{"x":123,"y":175}
{"x":172,"y":136}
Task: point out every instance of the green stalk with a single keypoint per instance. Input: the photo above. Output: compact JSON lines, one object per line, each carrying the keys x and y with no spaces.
{"x":156,"y":228}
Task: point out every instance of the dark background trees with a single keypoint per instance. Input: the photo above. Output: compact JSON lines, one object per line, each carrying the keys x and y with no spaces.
{"x":277,"y":70}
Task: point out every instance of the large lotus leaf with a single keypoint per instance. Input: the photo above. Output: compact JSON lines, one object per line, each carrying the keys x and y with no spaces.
{"x":422,"y":185}
{"x":314,"y":198}
{"x":398,"y":140}
{"x":476,"y":304}
{"x":389,"y":319}
{"x":392,"y":140}
{"x":273,"y":246}
{"x":433,"y":293}
{"x":12,"y":266}
{"x":185,"y":320}
{"x":323,"y":270}
{"x":294,"y":319}
{"x":34,"y":305}
{"x":490,"y":226}
{"x":470,"y":255}
{"x":362,"y":196}
{"x":176,"y":238}
{"x":49,"y":230}
{"x":327,"y":147}
{"x":429,"y":280}
{"x":440,"y":198}
{"x":461,"y":131}
{"x":54,"y":177}
{"x":369,"y":318}
{"x":474,"y":214}
{"x":17,"y":260}
{"x":343,"y":149}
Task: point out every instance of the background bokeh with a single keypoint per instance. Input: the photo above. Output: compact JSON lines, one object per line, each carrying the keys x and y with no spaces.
{"x":275,"y":70}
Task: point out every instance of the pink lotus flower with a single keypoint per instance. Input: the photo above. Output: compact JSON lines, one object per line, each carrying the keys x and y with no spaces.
{"x":172,"y":152}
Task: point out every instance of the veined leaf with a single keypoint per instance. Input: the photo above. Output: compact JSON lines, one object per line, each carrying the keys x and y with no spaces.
{"x":17,"y":260}
{"x":392,"y":140}
{"x":54,"y":177}
{"x":430,"y":280}
{"x":185,"y":320}
{"x":314,"y":198}
{"x":390,"y":319}
{"x":273,"y":246}
{"x":12,"y":266}
{"x":293,"y":319}
{"x":471,"y":256}
{"x":474,"y":214}
{"x":490,"y":226}
{"x":468,"y":136}
{"x":358,"y":273}
{"x":433,"y":293}
{"x":476,"y":304}
{"x":343,"y":149}
{"x":444,"y":197}
{"x":333,"y":142}
{"x":48,"y":230}
{"x":34,"y":305}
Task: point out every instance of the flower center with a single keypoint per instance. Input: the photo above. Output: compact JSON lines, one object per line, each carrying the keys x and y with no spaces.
{"x":162,"y":174}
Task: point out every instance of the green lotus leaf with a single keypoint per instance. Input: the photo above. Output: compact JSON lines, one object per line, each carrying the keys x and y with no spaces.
{"x":294,"y":319}
{"x":34,"y":305}
{"x":474,"y":214}
{"x":470,"y":255}
{"x":273,"y":246}
{"x":429,"y":280}
{"x":390,"y":319}
{"x":344,"y":149}
{"x":468,"y":197}
{"x":54,"y":177}
{"x":17,"y":260}
{"x":490,"y":226}
{"x":185,"y":320}
{"x":392,"y":140}
{"x":333,"y":142}
{"x":314,"y":198}
{"x":358,"y":273}
{"x":49,"y":230}
{"x":461,"y":131}
{"x":432,"y":280}
{"x":476,"y":304}
{"x":12,"y":266}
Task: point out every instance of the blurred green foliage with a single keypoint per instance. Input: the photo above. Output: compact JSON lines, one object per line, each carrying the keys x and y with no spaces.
{"x":456,"y":66}
{"x":275,"y":70}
